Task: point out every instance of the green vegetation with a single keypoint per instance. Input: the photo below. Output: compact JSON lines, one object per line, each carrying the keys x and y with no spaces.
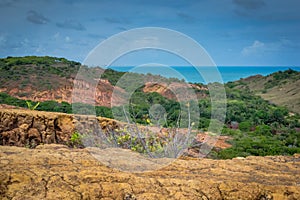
{"x":29,"y":65}
{"x":141,"y":139}
{"x":32,"y":107}
{"x":21,"y":72}
{"x":140,"y":104}
{"x":263,"y":128}
{"x":261,"y":142}
{"x":280,"y":77}
{"x":53,"y":106}
{"x":112,"y":76}
{"x":76,"y":140}
{"x":9,"y":100}
{"x":130,"y":81}
{"x":137,"y":140}
{"x":46,"y":60}
{"x":256,"y":126}
{"x":280,"y":88}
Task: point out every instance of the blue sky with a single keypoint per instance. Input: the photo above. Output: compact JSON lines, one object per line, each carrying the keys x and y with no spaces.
{"x":233,"y":32}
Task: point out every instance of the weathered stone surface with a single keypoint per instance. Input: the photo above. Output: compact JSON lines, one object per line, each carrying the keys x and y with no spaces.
{"x":27,"y":128}
{"x":57,"y":172}
{"x":30,"y":128}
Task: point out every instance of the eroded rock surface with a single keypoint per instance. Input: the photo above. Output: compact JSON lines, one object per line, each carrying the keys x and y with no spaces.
{"x":31,"y":128}
{"x":57,"y":172}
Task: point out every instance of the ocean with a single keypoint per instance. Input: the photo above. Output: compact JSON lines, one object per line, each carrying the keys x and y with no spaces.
{"x":190,"y":74}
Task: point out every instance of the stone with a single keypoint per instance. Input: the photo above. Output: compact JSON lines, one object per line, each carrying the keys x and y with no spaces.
{"x":30,"y":128}
{"x":34,"y":135}
{"x":54,"y":171}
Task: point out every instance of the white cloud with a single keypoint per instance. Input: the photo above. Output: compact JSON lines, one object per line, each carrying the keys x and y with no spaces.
{"x":25,"y":41}
{"x":256,"y":47}
{"x":36,"y":18}
{"x":40,"y":49}
{"x":56,"y":35}
{"x":67,"y":39}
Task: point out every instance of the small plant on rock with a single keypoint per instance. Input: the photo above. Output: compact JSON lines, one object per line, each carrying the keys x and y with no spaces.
{"x":76,"y":140}
{"x":32,"y":107}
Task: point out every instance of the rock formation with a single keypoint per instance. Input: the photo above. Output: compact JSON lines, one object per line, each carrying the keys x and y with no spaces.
{"x":57,"y":172}
{"x":31,"y":128}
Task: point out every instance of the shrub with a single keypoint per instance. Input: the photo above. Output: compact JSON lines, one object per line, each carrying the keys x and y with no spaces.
{"x":76,"y":140}
{"x":245,"y":126}
{"x":31,"y":106}
{"x":263,"y":130}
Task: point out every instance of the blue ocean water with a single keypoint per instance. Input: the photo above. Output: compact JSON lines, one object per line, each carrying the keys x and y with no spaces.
{"x":191,"y":74}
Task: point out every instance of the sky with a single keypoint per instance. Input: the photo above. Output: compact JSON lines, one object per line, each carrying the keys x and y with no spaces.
{"x":233,"y":32}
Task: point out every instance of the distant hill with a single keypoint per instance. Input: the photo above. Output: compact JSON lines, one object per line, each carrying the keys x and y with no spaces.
{"x":50,"y":78}
{"x":281,"y":88}
{"x":255,"y":126}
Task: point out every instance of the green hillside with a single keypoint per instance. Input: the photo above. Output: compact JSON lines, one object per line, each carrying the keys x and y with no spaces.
{"x":256,"y":124}
{"x":281,"y":88}
{"x":36,"y":72}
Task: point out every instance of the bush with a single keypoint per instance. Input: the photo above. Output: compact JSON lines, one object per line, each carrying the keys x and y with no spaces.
{"x":263,"y":130}
{"x":76,"y":140}
{"x":245,"y":126}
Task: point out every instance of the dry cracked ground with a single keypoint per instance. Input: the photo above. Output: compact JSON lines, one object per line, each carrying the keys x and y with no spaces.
{"x":56,"y":172}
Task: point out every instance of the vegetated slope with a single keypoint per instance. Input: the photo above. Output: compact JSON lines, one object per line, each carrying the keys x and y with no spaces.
{"x":280,"y":88}
{"x":49,"y":78}
{"x":255,"y":126}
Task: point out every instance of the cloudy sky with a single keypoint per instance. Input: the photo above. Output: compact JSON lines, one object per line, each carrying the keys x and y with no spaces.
{"x":233,"y":32}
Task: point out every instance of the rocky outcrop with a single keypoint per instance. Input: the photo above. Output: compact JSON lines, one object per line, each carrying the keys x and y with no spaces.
{"x":31,"y":128}
{"x":57,"y":172}
{"x":28,"y":128}
{"x":176,"y":90}
{"x":83,"y":92}
{"x":101,"y":95}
